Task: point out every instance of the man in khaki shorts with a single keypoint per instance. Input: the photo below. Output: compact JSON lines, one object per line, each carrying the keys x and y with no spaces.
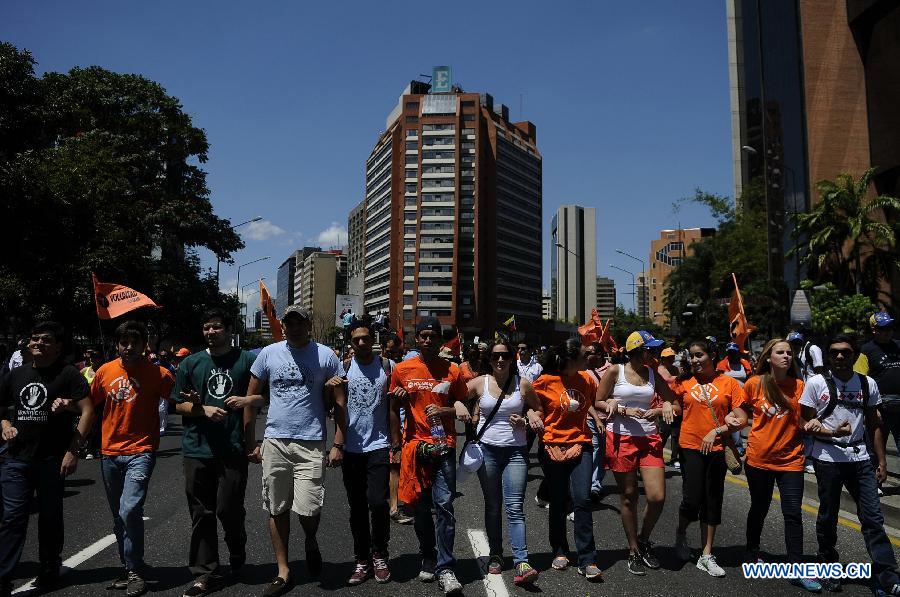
{"x":293,"y":451}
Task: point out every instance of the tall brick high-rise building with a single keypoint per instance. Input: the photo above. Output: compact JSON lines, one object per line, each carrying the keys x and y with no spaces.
{"x":453,"y":213}
{"x":815,"y":86}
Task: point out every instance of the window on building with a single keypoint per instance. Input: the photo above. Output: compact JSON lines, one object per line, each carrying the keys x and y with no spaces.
{"x":409,"y":271}
{"x":412,"y":119}
{"x":411,"y":188}
{"x":412,"y":145}
{"x":412,"y":105}
{"x":412,"y":133}
{"x":411,"y":173}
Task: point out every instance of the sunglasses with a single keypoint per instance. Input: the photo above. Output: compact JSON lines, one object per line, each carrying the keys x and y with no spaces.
{"x":496,"y":356}
{"x":844,"y":352}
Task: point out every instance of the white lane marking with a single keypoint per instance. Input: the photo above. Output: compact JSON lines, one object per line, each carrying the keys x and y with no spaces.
{"x":493,"y":583}
{"x":77,"y":559}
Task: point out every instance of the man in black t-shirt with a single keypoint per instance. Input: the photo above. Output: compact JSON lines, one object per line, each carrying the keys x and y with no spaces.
{"x":37,"y":401}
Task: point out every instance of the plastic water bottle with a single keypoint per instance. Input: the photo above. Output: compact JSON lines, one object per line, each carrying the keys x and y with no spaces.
{"x":438,"y":434}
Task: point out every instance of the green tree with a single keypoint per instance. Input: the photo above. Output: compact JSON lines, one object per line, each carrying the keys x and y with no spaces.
{"x":100,"y":173}
{"x":845,"y":239}
{"x":625,"y":322}
{"x":703,"y":278}
{"x":834,"y":311}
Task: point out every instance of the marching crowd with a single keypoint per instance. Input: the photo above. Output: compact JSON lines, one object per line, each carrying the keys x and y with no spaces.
{"x":394,"y":436}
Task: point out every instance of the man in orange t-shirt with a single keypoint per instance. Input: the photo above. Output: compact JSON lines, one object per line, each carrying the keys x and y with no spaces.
{"x":129,"y":390}
{"x":429,"y":386}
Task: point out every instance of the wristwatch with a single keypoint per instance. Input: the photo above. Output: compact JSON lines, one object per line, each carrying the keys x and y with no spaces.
{"x":338,"y":446}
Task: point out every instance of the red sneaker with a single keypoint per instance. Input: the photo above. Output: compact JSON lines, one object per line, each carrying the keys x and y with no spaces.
{"x":382,"y":571}
{"x":360,"y":574}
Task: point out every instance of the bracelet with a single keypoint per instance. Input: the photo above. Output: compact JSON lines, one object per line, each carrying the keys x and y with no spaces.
{"x":338,"y":446}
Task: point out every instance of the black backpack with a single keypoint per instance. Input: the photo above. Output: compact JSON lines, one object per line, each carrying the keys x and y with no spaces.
{"x":833,"y":395}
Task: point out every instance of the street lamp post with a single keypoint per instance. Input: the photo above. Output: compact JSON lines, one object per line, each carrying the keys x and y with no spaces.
{"x":237,"y":286}
{"x":577,"y":257}
{"x":633,"y":286}
{"x":218,"y":261}
{"x":643,"y":274}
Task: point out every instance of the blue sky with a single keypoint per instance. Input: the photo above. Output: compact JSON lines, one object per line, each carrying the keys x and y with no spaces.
{"x":630,"y":99}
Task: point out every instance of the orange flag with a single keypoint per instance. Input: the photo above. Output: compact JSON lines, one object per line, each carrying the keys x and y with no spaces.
{"x":113,"y":300}
{"x":591,"y":331}
{"x":740,"y":328}
{"x":268,"y":307}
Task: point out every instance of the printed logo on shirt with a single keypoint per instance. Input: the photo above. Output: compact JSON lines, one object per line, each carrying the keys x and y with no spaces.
{"x":124,"y":389}
{"x":33,"y":396}
{"x":430,"y":385}
{"x":293,"y":376}
{"x":770,"y":410}
{"x":571,"y":400}
{"x":361,"y":393}
{"x":219,"y":384}
{"x":711,"y":390}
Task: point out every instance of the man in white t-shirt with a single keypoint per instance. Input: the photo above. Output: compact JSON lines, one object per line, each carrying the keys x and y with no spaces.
{"x":839,"y":410}
{"x":808,"y":355}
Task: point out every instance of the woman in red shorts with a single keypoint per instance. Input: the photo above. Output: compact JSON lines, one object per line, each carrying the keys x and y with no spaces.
{"x":633,"y":442}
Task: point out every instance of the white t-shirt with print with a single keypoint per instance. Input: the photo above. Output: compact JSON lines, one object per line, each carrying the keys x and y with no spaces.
{"x":815,"y":394}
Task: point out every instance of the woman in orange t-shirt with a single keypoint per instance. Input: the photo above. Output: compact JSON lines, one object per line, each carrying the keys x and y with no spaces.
{"x":774,"y":449}
{"x":702,"y":456}
{"x":565,"y":393}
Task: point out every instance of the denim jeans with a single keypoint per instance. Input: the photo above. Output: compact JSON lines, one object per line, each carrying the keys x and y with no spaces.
{"x":20,"y":479}
{"x":598,"y":449}
{"x":790,"y":485}
{"x":127,"y":479}
{"x":503,"y":477}
{"x":859,"y":479}
{"x":440,"y":494}
{"x":561,"y":476}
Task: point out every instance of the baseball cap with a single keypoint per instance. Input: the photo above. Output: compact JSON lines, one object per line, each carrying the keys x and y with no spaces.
{"x":428,"y":323}
{"x":712,"y":339}
{"x":732,"y":346}
{"x":881,"y":320}
{"x":183,"y":352}
{"x":641,"y":338}
{"x":795,"y":337}
{"x":667,"y":352}
{"x":295,"y":310}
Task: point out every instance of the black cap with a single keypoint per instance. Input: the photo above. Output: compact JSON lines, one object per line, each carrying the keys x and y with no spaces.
{"x":428,"y":323}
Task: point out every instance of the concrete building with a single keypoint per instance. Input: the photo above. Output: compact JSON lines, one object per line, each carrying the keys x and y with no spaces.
{"x":814,"y":93}
{"x":642,"y":296}
{"x":356,"y":236}
{"x":299,"y":259}
{"x":666,"y":252}
{"x":546,"y":309}
{"x":573,"y":263}
{"x":606,"y":297}
{"x":318,"y":279}
{"x":452,"y":216}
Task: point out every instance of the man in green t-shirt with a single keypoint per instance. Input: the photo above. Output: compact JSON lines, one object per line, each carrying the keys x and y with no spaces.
{"x":210,"y":392}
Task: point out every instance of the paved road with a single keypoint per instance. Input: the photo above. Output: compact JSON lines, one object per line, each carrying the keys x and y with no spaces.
{"x":88,"y":521}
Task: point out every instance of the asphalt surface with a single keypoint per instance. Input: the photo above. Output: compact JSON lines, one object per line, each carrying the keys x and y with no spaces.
{"x":88,"y":522}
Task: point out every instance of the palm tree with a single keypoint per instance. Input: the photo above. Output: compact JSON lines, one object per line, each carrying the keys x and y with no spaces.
{"x":843,"y":230}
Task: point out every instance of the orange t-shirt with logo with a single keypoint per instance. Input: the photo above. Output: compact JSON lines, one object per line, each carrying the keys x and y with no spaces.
{"x":562,"y":425}
{"x":725,"y":366}
{"x":724,"y":392}
{"x":439,"y":383}
{"x":130,"y":399}
{"x":775,"y":442}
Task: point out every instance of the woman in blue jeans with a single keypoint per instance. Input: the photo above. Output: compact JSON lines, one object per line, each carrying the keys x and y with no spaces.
{"x":504,"y":473}
{"x":563,"y":394}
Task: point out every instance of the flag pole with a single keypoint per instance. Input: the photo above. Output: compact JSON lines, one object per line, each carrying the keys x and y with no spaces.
{"x":99,"y":321}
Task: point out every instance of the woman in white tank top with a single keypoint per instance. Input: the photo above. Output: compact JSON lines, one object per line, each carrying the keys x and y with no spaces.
{"x":633,"y":442}
{"x":504,"y":473}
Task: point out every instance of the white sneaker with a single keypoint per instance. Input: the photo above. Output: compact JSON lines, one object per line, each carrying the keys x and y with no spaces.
{"x":570,"y":517}
{"x":677,"y":465}
{"x":449,"y":584}
{"x":540,"y":503}
{"x":682,"y":549}
{"x":709,"y":565}
{"x":809,"y":468}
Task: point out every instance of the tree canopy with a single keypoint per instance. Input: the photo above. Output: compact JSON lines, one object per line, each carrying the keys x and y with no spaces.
{"x":100,"y":172}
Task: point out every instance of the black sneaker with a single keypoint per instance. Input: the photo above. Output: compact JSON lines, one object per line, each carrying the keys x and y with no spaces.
{"x":314,"y":562}
{"x":278,"y":586}
{"x":636,"y":564}
{"x":136,"y":585}
{"x":427,"y":572}
{"x":649,"y":558}
{"x":832,"y":585}
{"x":120,"y":584}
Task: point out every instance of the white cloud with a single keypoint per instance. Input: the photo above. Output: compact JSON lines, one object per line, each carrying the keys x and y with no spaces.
{"x":333,"y":236}
{"x":262,"y":230}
